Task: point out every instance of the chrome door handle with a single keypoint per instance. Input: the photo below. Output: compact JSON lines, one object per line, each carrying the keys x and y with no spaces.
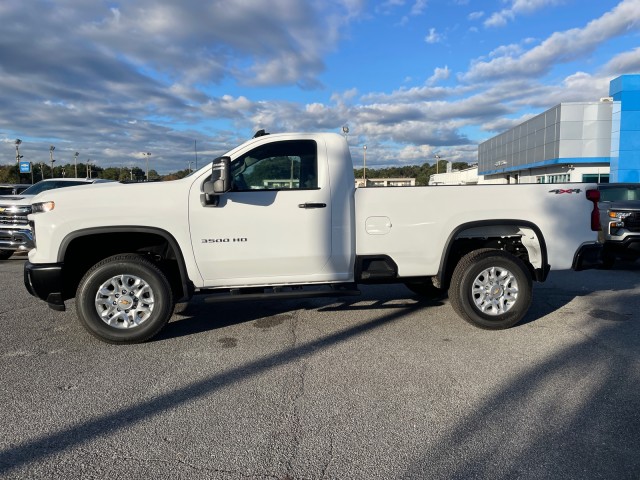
{"x":312,"y":205}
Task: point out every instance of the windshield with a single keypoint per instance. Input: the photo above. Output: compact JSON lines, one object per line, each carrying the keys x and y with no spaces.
{"x":44,"y":186}
{"x":619,"y":193}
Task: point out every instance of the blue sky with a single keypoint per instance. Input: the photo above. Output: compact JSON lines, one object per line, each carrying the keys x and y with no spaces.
{"x":410,"y":78}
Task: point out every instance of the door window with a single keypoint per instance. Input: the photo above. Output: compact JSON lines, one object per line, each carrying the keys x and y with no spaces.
{"x":286,"y":165}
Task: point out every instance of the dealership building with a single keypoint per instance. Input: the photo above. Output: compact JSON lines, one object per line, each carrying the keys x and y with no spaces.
{"x":571,"y":142}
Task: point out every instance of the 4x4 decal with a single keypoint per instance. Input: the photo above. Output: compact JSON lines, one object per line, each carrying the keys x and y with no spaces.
{"x":559,"y":191}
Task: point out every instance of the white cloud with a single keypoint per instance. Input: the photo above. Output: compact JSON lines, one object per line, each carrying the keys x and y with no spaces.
{"x":438,"y":75}
{"x":419,"y":7}
{"x":518,"y":7}
{"x":627,"y":62}
{"x":560,"y":47}
{"x":433,"y":36}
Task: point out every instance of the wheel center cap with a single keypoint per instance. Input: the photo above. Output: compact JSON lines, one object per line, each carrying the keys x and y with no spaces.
{"x":125,"y":302}
{"x":496,"y":291}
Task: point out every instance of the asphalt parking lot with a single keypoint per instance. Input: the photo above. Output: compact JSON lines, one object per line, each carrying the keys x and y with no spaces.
{"x":380,"y":386}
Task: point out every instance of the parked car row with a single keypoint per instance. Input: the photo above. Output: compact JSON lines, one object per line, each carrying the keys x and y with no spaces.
{"x":15,"y":232}
{"x":13,"y":188}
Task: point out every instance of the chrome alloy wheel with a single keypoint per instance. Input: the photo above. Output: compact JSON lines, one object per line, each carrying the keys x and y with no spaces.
{"x":495,"y":291}
{"x":124,"y":301}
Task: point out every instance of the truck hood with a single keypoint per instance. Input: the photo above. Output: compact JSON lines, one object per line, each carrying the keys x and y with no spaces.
{"x":113,"y":195}
{"x":16,"y":199}
{"x":622,"y":205}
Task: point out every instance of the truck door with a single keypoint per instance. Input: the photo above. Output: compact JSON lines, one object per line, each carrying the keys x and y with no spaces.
{"x":275,"y":224}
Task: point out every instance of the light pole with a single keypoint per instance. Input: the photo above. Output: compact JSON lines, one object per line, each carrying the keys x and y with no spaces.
{"x":88,"y":168}
{"x":345,"y":132}
{"x":364,"y":170}
{"x":437,"y":157}
{"x":51,"y":149}
{"x":147,"y":155}
{"x":18,"y":157}
{"x":75,"y":163}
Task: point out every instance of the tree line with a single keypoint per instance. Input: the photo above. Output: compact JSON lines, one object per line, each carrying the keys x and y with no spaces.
{"x":11,"y":173}
{"x":420,"y":172}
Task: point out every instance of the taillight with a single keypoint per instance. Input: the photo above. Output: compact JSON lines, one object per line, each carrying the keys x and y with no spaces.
{"x":594,"y":196}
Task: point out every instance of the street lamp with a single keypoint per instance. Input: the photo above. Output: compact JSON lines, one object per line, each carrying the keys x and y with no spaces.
{"x":51,"y":149}
{"x":88,"y":168}
{"x":345,"y":132}
{"x":437,"y":157}
{"x":18,"y":157}
{"x":75,"y":163}
{"x":364,"y":170}
{"x":147,"y":155}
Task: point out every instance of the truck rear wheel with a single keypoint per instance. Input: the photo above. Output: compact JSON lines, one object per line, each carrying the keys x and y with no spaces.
{"x":124,"y":299}
{"x":491,"y":289}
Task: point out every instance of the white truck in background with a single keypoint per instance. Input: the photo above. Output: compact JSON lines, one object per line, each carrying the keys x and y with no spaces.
{"x":279,"y":217}
{"x":15,"y":232}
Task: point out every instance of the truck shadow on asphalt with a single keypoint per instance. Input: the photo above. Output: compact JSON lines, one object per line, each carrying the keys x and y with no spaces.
{"x":198,"y":316}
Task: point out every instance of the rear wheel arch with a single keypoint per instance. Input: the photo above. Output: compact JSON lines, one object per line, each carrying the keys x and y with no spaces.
{"x":505,"y":235}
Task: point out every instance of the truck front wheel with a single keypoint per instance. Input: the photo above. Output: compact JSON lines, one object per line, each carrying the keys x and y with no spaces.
{"x":124,"y":299}
{"x":491,"y":289}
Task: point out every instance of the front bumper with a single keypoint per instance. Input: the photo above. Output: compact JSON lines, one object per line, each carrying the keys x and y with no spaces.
{"x":16,"y":239}
{"x":589,"y":255}
{"x":45,"y":282}
{"x":629,"y":247}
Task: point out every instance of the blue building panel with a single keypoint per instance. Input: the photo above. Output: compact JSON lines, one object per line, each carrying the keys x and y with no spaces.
{"x":626,"y":175}
{"x":629,"y":142}
{"x":624,"y":82}
{"x":625,"y":135}
{"x":629,"y":100}
{"x":630,"y":121}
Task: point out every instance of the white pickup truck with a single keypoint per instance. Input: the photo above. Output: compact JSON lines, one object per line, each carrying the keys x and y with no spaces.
{"x":279,"y":217}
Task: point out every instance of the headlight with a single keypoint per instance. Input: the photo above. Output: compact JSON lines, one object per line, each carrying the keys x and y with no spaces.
{"x":620,"y":215}
{"x":42,"y":207}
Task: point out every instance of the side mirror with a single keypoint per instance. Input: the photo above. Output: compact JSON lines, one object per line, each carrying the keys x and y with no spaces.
{"x":220,"y":175}
{"x":220,"y":181}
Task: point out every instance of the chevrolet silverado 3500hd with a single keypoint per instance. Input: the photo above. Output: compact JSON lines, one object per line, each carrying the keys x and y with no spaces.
{"x":279,"y":217}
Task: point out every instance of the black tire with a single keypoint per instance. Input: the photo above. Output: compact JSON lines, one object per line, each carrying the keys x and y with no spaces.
{"x":487,"y":301}
{"x":426,"y":290}
{"x":5,"y":254}
{"x":137,"y":312}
